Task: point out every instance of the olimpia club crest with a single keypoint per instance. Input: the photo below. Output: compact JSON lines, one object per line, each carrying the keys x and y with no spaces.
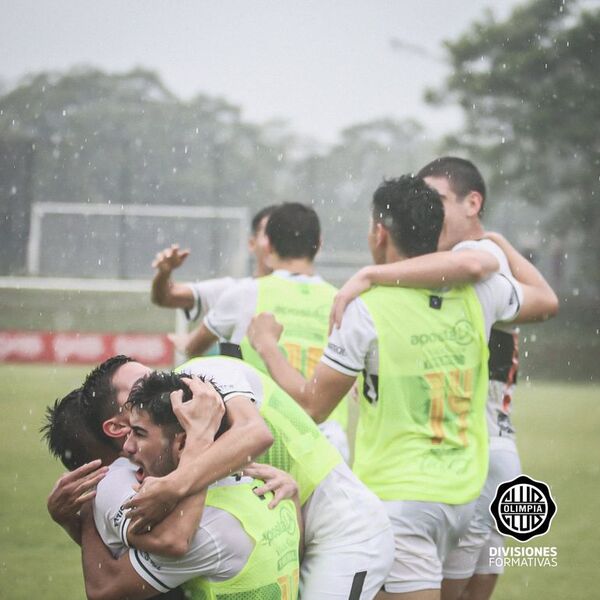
{"x":523,"y":508}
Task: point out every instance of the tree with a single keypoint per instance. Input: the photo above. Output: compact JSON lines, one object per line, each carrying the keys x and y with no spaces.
{"x":530,"y":90}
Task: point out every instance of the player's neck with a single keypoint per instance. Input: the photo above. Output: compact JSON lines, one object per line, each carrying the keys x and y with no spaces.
{"x":302,"y":266}
{"x":474,"y":232}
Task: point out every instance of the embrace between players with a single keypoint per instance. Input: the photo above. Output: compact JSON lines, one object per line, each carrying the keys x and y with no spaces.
{"x":228,"y":478}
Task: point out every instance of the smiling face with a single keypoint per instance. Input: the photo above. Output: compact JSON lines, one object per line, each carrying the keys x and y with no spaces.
{"x":461,"y":220}
{"x":151,"y":446}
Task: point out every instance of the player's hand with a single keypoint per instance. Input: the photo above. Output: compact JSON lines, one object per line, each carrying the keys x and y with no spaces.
{"x":353,"y":288}
{"x":73,"y":489}
{"x":169,"y":259}
{"x":263,"y":330}
{"x":495,"y":237}
{"x":155,"y":499}
{"x":200,"y":416}
{"x":282,"y":484}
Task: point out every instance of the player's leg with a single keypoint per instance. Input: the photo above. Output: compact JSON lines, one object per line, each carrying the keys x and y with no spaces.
{"x":504,"y":466}
{"x":353,"y":572}
{"x":423,"y":534}
{"x":349,"y":545}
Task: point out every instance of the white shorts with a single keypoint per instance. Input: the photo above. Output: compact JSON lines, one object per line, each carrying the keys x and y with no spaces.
{"x":349,"y":546}
{"x":472,"y":554}
{"x":424,"y":533}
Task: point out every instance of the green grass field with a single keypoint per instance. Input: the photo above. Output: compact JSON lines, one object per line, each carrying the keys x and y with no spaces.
{"x":558,"y":437}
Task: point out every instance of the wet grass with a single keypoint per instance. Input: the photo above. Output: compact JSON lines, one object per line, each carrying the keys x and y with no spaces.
{"x":558,"y":437}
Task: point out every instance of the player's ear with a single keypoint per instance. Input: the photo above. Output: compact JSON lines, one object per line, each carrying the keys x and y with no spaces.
{"x":381,"y":235}
{"x":252,"y":243}
{"x":179,"y":444}
{"x":474,"y":202}
{"x":114,"y":428}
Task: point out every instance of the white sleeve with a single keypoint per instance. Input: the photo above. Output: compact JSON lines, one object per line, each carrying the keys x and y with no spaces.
{"x":225,"y":374}
{"x":349,"y":346}
{"x":487,"y":246}
{"x":206,"y":294}
{"x":233,"y":310}
{"x":500,"y":297}
{"x":218,"y":551}
{"x":111,"y":493}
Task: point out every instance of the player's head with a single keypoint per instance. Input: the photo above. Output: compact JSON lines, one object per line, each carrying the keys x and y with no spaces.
{"x":462,"y":189}
{"x":68,"y":436}
{"x":104,"y":394}
{"x":294,"y":231}
{"x":156,"y":438}
{"x":407,"y":219}
{"x":258,"y":244}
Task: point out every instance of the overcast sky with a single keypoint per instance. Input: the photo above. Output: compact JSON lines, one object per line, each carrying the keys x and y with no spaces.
{"x":318,"y":64}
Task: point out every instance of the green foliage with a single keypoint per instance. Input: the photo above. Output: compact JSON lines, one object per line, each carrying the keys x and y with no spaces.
{"x":530,"y":90}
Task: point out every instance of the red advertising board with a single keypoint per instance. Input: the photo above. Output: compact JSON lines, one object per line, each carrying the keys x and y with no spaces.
{"x":83,"y":348}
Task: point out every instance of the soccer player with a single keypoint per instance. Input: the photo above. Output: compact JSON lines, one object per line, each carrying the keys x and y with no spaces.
{"x":422,"y":440}
{"x":348,"y":542}
{"x":463,"y":192}
{"x":232,"y":551}
{"x":197,"y":298}
{"x":294,"y":293}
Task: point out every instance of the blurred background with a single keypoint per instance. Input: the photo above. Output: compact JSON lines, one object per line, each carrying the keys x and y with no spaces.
{"x":125,"y":127}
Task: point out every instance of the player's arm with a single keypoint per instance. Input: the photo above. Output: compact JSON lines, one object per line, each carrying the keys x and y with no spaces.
{"x":166,"y":292}
{"x":70,"y":492}
{"x":319,"y":395}
{"x":203,"y":460}
{"x":539,"y":300}
{"x":107,"y":578}
{"x":198,"y":341}
{"x":172,"y":535}
{"x":434,"y":270}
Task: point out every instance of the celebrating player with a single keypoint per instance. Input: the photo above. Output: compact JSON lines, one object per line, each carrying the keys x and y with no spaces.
{"x":422,"y":441}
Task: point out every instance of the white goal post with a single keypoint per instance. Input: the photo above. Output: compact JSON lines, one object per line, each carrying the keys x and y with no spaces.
{"x":40,"y":210}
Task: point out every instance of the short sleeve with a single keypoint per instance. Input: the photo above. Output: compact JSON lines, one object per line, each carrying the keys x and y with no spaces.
{"x":231,"y":315}
{"x":487,"y":246}
{"x":227,"y":376}
{"x":500,"y":297}
{"x":218,"y":551}
{"x":349,"y":346}
{"x":206,"y":294}
{"x":111,"y":493}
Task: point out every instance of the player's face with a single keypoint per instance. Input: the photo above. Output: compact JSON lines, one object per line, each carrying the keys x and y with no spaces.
{"x":147,"y":447}
{"x":456,"y":218}
{"x":259,"y":244}
{"x":377,"y":251}
{"x":125,"y":377}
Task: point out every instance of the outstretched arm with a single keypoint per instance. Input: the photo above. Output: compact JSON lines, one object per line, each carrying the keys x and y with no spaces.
{"x":427,"y":271}
{"x":539,"y":300}
{"x":166,"y":292}
{"x":317,"y":396}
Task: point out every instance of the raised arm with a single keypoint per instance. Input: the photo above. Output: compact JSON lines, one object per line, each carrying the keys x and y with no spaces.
{"x":539,"y":300}
{"x":166,"y":292}
{"x":427,"y":271}
{"x":203,"y":461}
